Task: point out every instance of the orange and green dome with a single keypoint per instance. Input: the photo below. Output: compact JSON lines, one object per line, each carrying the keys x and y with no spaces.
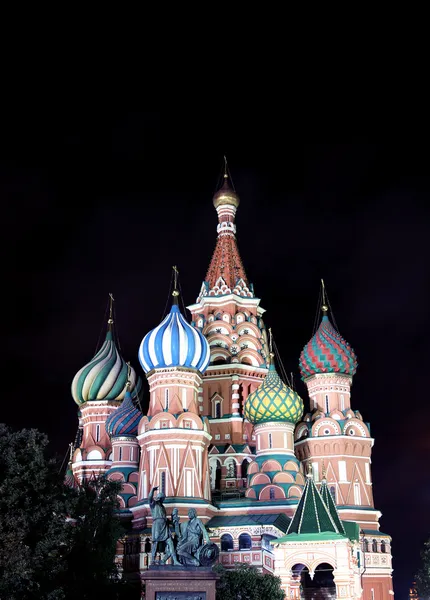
{"x":273,"y":401}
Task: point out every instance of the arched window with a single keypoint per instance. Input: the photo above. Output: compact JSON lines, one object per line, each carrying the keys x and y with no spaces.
{"x":366,"y":545}
{"x":166,"y":399}
{"x":272,"y":493}
{"x":163,"y":482}
{"x":374,"y":546}
{"x":120,"y":453}
{"x":97,"y":433}
{"x":244,"y":469}
{"x":270,"y":440}
{"x":226,"y":543}
{"x":245,"y":542}
{"x":218,"y":409}
{"x":147,"y":545}
{"x":327,"y":406}
{"x":383,"y":547}
{"x":342,"y":402}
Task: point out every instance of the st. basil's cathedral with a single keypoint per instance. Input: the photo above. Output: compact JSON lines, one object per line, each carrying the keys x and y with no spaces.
{"x":286,"y":491}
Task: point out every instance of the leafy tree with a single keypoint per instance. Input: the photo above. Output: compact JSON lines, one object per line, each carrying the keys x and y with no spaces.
{"x":56,"y":543}
{"x":423,"y":576}
{"x":245,"y":582}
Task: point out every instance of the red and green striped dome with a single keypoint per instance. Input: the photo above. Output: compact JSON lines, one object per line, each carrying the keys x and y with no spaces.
{"x":327,"y":352}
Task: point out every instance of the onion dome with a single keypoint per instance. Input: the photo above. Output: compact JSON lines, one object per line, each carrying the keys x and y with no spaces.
{"x":273,"y":401}
{"x":327,"y":352}
{"x":105,"y":376}
{"x":124,"y":420}
{"x":226,"y":195}
{"x":174,"y":343}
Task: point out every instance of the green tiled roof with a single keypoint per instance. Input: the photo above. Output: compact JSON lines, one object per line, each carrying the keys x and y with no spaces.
{"x":312,"y":515}
{"x":329,"y":502}
{"x":352,"y":530}
{"x":308,"y":537}
{"x":278,"y":520}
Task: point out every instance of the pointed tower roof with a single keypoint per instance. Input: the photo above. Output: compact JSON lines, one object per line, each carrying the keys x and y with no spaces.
{"x":331,"y":506}
{"x":312,"y":515}
{"x":226,"y":274}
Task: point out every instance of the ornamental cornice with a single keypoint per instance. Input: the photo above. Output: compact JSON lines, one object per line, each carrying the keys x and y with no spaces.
{"x":274,"y":425}
{"x":251,"y":529}
{"x":324,"y":379}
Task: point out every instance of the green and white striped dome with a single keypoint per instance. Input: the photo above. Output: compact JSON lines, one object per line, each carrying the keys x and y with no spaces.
{"x":105,"y":376}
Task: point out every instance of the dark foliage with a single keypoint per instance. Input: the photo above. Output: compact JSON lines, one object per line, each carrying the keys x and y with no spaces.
{"x":247,"y":583}
{"x":56,"y":543}
{"x":423,"y":576}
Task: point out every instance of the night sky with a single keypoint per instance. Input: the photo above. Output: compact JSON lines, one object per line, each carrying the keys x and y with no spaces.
{"x":99,"y":202}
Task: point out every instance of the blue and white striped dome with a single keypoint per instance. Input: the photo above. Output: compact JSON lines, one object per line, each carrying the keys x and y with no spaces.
{"x":174,"y":343}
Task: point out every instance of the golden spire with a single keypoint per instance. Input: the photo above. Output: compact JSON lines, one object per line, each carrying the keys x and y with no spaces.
{"x":225,"y":167}
{"x":70,"y":452}
{"x":128,"y":384}
{"x":271,"y":353}
{"x":175,"y":292}
{"x":324,"y":306}
{"x":110,"y":320}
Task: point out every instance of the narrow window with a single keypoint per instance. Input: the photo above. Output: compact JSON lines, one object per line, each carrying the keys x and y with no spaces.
{"x":97,"y":433}
{"x":166,"y":399}
{"x":372,"y":594}
{"x":270,"y":442}
{"x":218,"y":410}
{"x":374,"y":546}
{"x":342,"y":470}
{"x":131,"y":454}
{"x":357,"y":494}
{"x":342,"y":402}
{"x":333,"y":493}
{"x":367,"y":470}
{"x":120,"y":453}
{"x":315,"y":471}
{"x":272,"y":493}
{"x":163,"y":482}
{"x":327,"y":407}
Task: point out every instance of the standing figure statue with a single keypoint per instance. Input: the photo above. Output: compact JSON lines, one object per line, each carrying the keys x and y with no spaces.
{"x":160,"y":527}
{"x":189,"y":542}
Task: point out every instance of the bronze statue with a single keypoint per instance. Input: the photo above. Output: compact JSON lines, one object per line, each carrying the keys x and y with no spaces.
{"x":160,"y":527}
{"x":189,"y":543}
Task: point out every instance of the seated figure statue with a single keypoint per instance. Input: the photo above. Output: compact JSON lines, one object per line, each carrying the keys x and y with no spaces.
{"x":190,"y":538}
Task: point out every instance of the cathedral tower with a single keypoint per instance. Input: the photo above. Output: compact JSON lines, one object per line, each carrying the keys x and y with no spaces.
{"x":98,"y":389}
{"x":274,"y":409}
{"x":229,"y":315}
{"x":174,"y":437}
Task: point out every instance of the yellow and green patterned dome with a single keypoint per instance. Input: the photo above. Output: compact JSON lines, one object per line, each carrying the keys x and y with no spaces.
{"x":273,"y":401}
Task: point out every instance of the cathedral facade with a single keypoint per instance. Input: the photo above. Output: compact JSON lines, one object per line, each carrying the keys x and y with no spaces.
{"x":279,"y":488}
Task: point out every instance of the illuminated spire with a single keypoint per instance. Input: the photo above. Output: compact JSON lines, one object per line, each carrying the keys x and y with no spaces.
{"x":110,"y":320}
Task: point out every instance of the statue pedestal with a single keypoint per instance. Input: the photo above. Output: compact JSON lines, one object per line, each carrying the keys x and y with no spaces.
{"x":170,"y":582}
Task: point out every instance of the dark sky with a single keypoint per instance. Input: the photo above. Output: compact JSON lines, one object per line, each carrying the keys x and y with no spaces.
{"x":100,"y":202}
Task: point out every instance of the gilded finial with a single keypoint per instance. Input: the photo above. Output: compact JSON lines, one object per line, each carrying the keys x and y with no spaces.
{"x":309,"y":469}
{"x":128,"y":384}
{"x":324,"y":471}
{"x":111,"y":301}
{"x":70,"y":452}
{"x":324,"y":306}
{"x":225,"y":167}
{"x":271,"y":353}
{"x":175,"y":292}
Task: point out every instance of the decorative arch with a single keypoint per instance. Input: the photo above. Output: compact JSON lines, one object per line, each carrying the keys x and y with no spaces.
{"x":265,"y":494}
{"x":253,"y":468}
{"x":189,"y":416}
{"x":290,"y":465}
{"x":245,"y":541}
{"x":294,"y":492}
{"x":95,"y":453}
{"x":283,"y":477}
{"x":324,"y":425}
{"x":255,"y":359}
{"x":271,"y":465}
{"x":301,"y":431}
{"x":226,"y":542}
{"x":260,"y":479}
